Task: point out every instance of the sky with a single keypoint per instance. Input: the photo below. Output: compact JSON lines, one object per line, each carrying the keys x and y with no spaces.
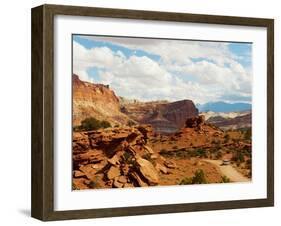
{"x":161,"y":69}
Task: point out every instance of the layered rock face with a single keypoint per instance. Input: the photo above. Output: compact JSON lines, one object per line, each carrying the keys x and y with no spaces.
{"x":165,"y":117}
{"x":95,"y":100}
{"x":177,"y":112}
{"x":117,"y":155}
{"x":100,"y":102}
{"x":243,"y":121}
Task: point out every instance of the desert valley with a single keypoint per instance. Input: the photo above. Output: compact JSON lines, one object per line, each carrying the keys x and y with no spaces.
{"x":120,"y":142}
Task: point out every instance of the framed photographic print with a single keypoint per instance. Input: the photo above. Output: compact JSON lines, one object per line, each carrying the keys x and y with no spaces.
{"x":141,"y":112}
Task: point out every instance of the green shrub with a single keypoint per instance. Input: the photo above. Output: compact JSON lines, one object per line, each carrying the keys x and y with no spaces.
{"x":219,"y":155}
{"x":240,"y":157}
{"x":198,"y":178}
{"x":225,"y":179}
{"x":74,"y":187}
{"x":93,"y":124}
{"x":226,"y":138}
{"x":131,"y":123}
{"x":201,"y":153}
{"x":187,"y":180}
{"x":104,"y":124}
{"x":94,"y":184}
{"x":248,"y":134}
{"x":128,"y":158}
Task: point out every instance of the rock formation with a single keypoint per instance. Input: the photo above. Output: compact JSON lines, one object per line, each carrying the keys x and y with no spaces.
{"x":164,"y":117}
{"x":243,"y":121}
{"x":95,"y":100}
{"x":121,"y":159}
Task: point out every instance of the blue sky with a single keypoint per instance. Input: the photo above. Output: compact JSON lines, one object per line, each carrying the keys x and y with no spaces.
{"x":154,"y":69}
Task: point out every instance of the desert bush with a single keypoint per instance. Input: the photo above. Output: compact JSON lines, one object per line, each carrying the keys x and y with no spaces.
{"x":131,"y":123}
{"x":219,"y":155}
{"x":185,"y":181}
{"x":248,"y":134}
{"x":163,"y":151}
{"x":104,"y":124}
{"x":202,"y":153}
{"x":225,"y":179}
{"x":74,"y":187}
{"x":128,"y":158}
{"x":94,"y":184}
{"x":240,"y":157}
{"x":92,"y":123}
{"x":226,"y":138}
{"x":198,"y":178}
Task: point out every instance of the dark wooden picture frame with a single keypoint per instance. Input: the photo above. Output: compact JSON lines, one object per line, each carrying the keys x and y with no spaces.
{"x":42,"y":203}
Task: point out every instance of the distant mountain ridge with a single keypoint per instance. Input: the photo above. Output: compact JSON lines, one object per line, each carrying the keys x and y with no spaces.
{"x":221,"y":106}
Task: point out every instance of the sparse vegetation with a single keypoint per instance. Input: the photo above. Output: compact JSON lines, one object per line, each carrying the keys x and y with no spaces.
{"x":131,"y":123}
{"x":94,"y":184}
{"x":225,"y":179}
{"x":92,"y":123}
{"x":74,"y":187}
{"x":128,"y":158}
{"x":198,"y":178}
{"x":248,"y":134}
{"x":226,"y":138}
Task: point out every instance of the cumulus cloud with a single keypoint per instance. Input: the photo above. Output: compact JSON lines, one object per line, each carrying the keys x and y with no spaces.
{"x":201,"y":71}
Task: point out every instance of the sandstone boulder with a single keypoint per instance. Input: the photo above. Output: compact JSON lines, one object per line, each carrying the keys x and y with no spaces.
{"x":117,"y":184}
{"x":161,"y":168}
{"x":78,"y":173}
{"x":147,"y":170}
{"x":148,"y":149}
{"x":170,"y":164}
{"x":138,"y":180}
{"x":195,"y":122}
{"x":113,"y":172}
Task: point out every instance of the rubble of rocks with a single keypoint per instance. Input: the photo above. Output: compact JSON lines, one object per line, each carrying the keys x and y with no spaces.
{"x":121,"y":157}
{"x":195,"y":122}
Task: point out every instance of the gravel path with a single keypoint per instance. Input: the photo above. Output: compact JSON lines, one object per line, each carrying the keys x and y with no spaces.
{"x":229,"y":171}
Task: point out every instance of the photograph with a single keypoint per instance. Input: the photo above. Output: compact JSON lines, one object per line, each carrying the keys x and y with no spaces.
{"x":160,"y":112}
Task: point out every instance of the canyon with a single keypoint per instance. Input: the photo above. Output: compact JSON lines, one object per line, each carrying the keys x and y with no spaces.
{"x":100,"y":102}
{"x":124,"y":143}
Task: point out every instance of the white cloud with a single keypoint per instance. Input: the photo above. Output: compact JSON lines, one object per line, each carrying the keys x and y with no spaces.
{"x":176,"y":76}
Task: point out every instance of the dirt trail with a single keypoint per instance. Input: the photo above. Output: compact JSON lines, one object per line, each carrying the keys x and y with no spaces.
{"x":229,"y":171}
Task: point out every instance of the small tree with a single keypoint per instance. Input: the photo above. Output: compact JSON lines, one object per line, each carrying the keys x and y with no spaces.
{"x":90,"y":124}
{"x":104,"y":124}
{"x":225,"y":179}
{"x":199,"y":177}
{"x":93,"y":124}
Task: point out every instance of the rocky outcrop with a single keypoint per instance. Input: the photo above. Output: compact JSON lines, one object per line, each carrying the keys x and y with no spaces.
{"x":123,"y":159}
{"x":243,"y":121}
{"x":195,"y":122}
{"x":95,"y":100}
{"x":177,"y":112}
{"x":164,"y":117}
{"x":100,"y":102}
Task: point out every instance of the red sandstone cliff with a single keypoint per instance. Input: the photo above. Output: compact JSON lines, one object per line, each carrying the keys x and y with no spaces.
{"x":95,"y":100}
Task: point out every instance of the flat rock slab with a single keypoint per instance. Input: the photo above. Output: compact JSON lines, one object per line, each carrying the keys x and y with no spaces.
{"x":148,"y":171}
{"x":113,"y":172}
